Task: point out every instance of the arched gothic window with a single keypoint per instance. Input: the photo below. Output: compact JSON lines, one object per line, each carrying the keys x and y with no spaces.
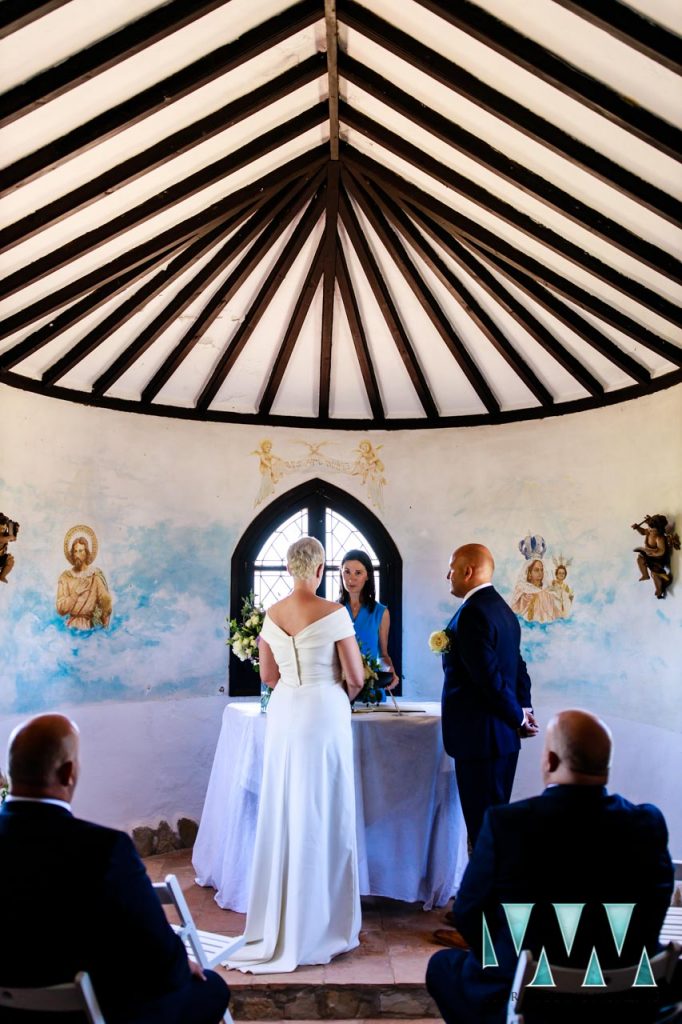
{"x":339,"y":521}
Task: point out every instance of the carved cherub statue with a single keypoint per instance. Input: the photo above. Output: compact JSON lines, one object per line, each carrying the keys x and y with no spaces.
{"x":654,"y":557}
{"x":8,"y":532}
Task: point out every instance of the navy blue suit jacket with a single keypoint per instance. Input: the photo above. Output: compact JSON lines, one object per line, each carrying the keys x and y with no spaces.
{"x":486,"y":684}
{"x":76,"y":896}
{"x":572,"y":844}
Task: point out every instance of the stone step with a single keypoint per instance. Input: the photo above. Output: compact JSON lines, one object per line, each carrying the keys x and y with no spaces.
{"x":333,"y":1002}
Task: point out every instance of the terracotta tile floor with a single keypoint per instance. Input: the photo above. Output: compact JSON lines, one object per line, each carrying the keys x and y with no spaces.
{"x":395,"y":940}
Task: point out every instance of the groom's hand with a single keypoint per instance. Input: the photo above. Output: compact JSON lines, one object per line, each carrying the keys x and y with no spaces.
{"x":529,"y":725}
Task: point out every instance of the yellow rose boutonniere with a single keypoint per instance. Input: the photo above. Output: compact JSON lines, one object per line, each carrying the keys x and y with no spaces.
{"x":439,"y":642}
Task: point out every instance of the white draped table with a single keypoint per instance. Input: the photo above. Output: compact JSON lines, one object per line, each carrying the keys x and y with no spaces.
{"x":411,"y":834}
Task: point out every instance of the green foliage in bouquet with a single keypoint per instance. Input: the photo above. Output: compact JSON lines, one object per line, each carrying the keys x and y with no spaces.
{"x":371,"y":693}
{"x":244,"y":632}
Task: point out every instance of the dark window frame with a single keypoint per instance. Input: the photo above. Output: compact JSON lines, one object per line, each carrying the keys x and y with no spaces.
{"x":317,"y":495}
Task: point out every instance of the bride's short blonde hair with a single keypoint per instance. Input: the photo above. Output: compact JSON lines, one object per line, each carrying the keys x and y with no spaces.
{"x":304,"y":556}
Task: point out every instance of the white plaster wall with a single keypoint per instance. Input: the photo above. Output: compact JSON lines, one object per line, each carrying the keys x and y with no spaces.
{"x":578,"y":480}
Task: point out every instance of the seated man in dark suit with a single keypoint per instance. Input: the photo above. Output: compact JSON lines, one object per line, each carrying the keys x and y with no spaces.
{"x":76,"y":897}
{"x":576,"y":844}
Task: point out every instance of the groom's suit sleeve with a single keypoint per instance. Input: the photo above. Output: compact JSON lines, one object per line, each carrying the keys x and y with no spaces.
{"x":523,"y":685}
{"x":476,"y":644}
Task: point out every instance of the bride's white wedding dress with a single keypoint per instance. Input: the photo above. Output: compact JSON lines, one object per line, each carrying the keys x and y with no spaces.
{"x":304,"y":903}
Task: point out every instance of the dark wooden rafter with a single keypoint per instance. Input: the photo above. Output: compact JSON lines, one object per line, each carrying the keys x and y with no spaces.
{"x":165,"y":200}
{"x":303,"y":302}
{"x":77,"y":312}
{"x":449,"y":74}
{"x":463,"y":227}
{"x":357,"y":330}
{"x":509,"y":170}
{"x":393,"y":244}
{"x":546,"y":298}
{"x":162,"y":94}
{"x":559,"y":73}
{"x":142,"y":296}
{"x":525,"y":317}
{"x":492,"y":204}
{"x":332,"y":32}
{"x":197,"y":224}
{"x":279,"y":214}
{"x":387,"y":307}
{"x":632,"y":28}
{"x":16,"y":14}
{"x":530,"y":323}
{"x":161,"y":152}
{"x":257,"y":309}
{"x":460,"y":293}
{"x":330,"y":246}
{"x":101,"y":55}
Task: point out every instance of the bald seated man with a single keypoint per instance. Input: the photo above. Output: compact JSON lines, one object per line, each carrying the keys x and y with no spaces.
{"x":575,"y":843}
{"x":76,"y":897}
{"x":486,"y":703}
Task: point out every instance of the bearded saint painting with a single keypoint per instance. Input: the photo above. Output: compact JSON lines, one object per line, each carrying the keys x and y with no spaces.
{"x":82,"y":591}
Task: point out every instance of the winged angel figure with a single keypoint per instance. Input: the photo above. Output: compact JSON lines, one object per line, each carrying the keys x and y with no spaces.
{"x":654,"y":556}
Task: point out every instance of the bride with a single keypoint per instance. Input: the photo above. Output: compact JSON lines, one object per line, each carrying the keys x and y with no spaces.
{"x":304,"y":903}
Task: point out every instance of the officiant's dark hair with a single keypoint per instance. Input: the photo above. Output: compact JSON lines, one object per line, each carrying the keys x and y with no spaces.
{"x":368,"y":595}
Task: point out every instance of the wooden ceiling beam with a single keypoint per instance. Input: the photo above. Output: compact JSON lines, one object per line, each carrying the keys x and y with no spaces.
{"x":390,"y":240}
{"x":280,"y":216}
{"x":387,"y":307}
{"x":140,"y":298}
{"x":162,"y":94}
{"x":161,"y":152}
{"x":449,"y":74}
{"x":253,"y":316}
{"x":359,"y":336}
{"x":525,"y":318}
{"x":99,"y":56}
{"x":463,"y":296}
{"x":165,"y":200}
{"x":74,"y":314}
{"x":519,"y":175}
{"x":306,"y":165}
{"x":16,"y":14}
{"x":296,"y":321}
{"x":463,"y":227}
{"x":633,"y":28}
{"x":559,"y":73}
{"x":332,"y":31}
{"x":330,"y":245}
{"x":492,"y":204}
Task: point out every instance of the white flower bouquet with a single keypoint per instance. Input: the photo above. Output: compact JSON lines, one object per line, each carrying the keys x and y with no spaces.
{"x":243,"y":637}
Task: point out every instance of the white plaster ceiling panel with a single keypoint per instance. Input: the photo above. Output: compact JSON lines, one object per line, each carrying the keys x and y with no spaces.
{"x":571,"y":292}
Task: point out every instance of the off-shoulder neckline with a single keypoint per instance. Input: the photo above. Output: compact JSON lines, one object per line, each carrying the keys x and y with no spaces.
{"x":292,"y":636}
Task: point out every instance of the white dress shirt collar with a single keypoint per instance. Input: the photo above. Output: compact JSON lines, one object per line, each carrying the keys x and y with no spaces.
{"x":475,"y":590}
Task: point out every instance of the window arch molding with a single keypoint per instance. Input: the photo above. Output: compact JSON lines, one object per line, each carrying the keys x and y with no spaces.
{"x":316,"y":495}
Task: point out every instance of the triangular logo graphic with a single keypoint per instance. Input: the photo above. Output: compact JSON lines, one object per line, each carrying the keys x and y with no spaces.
{"x":619,"y":915}
{"x":593,"y":975}
{"x":489,"y":957}
{"x":543,"y":973}
{"x":517,"y":919}
{"x":644,"y":977}
{"x":568,"y":916}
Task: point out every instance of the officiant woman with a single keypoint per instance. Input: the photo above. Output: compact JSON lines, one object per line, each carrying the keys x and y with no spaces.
{"x":371,"y":619}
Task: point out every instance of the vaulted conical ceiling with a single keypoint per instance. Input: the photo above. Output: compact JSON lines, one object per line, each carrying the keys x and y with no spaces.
{"x":340,"y":213}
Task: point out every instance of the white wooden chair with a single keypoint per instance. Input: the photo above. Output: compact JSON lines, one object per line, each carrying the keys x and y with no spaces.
{"x":207,"y":948}
{"x":72,"y":996}
{"x":568,"y":983}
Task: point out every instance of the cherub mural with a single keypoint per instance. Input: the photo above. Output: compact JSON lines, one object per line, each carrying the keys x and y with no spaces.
{"x":82,"y":591}
{"x":654,"y":556}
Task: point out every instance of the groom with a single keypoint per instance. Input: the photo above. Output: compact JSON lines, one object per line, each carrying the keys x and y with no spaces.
{"x":486,"y":703}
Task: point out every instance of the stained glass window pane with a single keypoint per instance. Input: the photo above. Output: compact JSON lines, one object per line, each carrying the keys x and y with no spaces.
{"x":342,"y":535}
{"x":271,"y":585}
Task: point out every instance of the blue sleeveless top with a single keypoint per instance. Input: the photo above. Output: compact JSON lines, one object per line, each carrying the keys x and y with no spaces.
{"x":366,"y":627}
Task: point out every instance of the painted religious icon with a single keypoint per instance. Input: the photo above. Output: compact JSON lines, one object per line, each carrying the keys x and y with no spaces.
{"x":559,"y":588}
{"x":82,"y":591}
{"x":535,"y":598}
